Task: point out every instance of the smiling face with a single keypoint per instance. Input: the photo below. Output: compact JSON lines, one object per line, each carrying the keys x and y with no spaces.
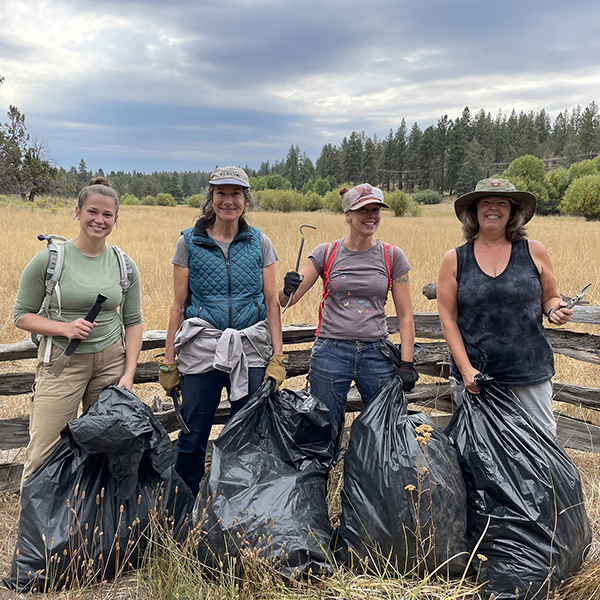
{"x":228,"y":202}
{"x":365,"y":220}
{"x":493,"y":212}
{"x":97,"y":216}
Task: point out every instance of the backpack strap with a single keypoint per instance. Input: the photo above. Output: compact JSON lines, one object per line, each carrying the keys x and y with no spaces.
{"x":389,"y":256}
{"x":56,"y":260}
{"x":126,"y":275}
{"x":328,"y":260}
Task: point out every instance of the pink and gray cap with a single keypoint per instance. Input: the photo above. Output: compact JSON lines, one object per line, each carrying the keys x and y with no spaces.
{"x":361,"y":195}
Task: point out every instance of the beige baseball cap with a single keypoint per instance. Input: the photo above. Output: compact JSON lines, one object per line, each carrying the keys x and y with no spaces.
{"x":229,"y":175}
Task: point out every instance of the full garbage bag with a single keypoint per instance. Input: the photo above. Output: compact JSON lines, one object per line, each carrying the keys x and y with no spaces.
{"x":87,"y":511}
{"x":526,"y":515}
{"x":264,"y":499}
{"x":404,"y":505}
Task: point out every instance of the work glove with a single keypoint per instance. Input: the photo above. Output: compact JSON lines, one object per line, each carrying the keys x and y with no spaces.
{"x":291,"y":282}
{"x":276,"y":369}
{"x":168,"y":376}
{"x":407,"y":373}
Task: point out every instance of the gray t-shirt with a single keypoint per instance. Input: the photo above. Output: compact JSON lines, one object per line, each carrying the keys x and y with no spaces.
{"x":358,"y":284}
{"x":181,"y":252}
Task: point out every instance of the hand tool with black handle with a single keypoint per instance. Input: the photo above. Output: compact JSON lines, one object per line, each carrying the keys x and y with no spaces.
{"x":63,"y":360}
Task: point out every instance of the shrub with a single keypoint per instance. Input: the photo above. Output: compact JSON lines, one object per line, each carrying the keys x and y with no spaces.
{"x":312,"y":202}
{"x":195,"y":201}
{"x":559,"y":182}
{"x":583,"y":197}
{"x":527,"y":167}
{"x":43,"y":203}
{"x":279,"y":200}
{"x":427,"y":197}
{"x":402,"y":204}
{"x":270,"y":182}
{"x":129,"y":200}
{"x":165,"y":200}
{"x":581,"y":169}
{"x":332,"y":201}
{"x":149,"y":200}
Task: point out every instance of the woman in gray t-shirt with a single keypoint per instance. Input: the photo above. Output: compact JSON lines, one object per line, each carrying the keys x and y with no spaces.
{"x":358,"y":272}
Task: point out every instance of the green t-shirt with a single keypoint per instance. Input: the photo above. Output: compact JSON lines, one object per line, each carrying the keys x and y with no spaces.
{"x":82,"y":279}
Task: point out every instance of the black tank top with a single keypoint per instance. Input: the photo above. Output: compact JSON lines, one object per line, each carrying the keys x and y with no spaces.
{"x":503,"y":316}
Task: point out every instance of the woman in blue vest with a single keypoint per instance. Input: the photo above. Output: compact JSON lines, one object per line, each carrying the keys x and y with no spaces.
{"x":225,"y":323}
{"x":493,"y":292}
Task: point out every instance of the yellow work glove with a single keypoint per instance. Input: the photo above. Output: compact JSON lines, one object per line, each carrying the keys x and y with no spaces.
{"x":168,"y":376}
{"x":276,"y":369}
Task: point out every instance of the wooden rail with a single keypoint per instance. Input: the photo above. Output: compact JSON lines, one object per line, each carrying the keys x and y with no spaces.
{"x":432,"y":360}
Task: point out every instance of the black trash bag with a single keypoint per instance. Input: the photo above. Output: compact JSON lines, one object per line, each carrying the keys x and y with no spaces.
{"x":86,"y":512}
{"x":404,"y":502}
{"x":265,"y":494}
{"x":524,"y":496}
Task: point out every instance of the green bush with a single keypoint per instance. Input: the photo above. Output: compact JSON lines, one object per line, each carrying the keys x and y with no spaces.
{"x":332,"y":201}
{"x":195,"y":201}
{"x":427,"y":197}
{"x":43,"y":203}
{"x":583,"y":197}
{"x":279,"y":200}
{"x":527,"y":167}
{"x":129,"y":200}
{"x":165,"y":200}
{"x":581,"y":169}
{"x":559,"y":182}
{"x":269,"y":182}
{"x":149,"y":200}
{"x":312,"y":201}
{"x":402,"y":204}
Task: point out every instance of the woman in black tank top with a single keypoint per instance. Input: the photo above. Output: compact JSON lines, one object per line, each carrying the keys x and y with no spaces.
{"x":494,"y":290}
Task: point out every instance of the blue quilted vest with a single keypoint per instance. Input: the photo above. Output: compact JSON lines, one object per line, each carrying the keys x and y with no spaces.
{"x":226,"y":293}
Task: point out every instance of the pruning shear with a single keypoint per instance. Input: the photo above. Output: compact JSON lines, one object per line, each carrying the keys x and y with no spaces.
{"x":574,"y":300}
{"x":577,"y":299}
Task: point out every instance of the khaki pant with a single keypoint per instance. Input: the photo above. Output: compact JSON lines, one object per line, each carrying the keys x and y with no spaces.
{"x":56,"y":400}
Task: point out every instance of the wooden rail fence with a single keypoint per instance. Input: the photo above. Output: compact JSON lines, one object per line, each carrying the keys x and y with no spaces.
{"x":432,"y":360}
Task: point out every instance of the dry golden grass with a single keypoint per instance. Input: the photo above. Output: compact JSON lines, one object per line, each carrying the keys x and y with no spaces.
{"x":148,"y":234}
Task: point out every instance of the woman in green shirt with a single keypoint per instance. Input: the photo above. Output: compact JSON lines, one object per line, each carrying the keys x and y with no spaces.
{"x":106,"y":354}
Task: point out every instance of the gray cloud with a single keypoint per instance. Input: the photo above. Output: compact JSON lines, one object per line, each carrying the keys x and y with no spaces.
{"x":184,"y":85}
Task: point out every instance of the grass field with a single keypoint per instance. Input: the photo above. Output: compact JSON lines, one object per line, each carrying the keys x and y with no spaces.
{"x":148,"y":234}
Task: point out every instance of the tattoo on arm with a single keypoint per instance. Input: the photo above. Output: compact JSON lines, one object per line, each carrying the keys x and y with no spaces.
{"x":402,"y":279}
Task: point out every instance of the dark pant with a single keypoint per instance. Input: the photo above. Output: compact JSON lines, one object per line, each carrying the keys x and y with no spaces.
{"x":201,"y":395}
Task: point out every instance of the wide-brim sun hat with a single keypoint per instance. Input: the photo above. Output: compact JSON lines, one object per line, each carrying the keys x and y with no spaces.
{"x":229,"y":176}
{"x":497,"y":187}
{"x":361,"y":195}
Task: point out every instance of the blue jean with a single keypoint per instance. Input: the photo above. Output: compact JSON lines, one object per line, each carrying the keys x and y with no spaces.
{"x":334,"y":364}
{"x":201,"y":395}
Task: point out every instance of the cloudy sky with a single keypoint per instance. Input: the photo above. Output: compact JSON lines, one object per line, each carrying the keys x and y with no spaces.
{"x":187,"y":84}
